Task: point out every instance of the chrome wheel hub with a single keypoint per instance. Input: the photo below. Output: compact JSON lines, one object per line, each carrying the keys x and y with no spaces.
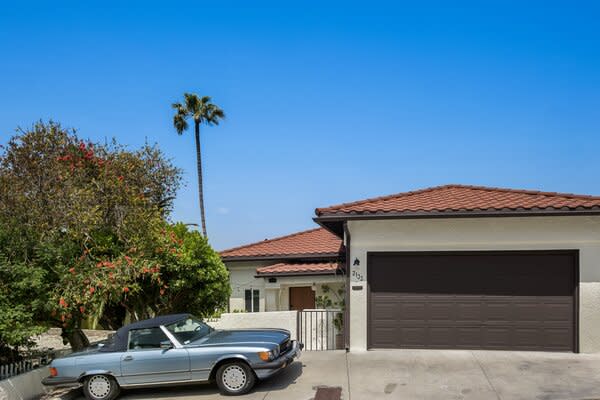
{"x":99,"y":386}
{"x":234,"y":378}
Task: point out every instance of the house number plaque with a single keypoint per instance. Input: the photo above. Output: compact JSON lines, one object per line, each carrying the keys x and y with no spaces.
{"x":357,"y":276}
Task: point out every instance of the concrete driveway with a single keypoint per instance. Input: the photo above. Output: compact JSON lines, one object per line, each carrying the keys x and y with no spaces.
{"x":421,"y":374}
{"x":477,"y":375}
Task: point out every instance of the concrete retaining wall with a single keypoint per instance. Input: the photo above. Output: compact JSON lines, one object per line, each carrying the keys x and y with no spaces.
{"x":27,"y":386}
{"x":270,"y":319}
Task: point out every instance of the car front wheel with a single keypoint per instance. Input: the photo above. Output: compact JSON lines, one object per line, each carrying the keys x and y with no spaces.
{"x":235,"y":378}
{"x":100,"y":387}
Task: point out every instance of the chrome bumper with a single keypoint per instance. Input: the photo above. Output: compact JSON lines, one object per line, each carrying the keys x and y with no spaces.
{"x":284,"y":360}
{"x":60,"y":381}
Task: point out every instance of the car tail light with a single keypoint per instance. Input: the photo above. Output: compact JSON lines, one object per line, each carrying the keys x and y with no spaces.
{"x":53,"y":371}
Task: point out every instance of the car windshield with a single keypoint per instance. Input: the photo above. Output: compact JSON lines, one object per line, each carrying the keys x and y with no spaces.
{"x":189,"y":330}
{"x":109,"y":341}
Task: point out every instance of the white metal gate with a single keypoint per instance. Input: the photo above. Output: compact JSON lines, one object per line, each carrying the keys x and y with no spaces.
{"x":321,"y":329}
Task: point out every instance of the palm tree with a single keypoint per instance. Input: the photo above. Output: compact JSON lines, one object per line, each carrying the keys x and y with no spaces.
{"x":202,"y":111}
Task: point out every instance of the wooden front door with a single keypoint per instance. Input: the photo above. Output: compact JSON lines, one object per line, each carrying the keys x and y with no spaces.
{"x":302,"y":298}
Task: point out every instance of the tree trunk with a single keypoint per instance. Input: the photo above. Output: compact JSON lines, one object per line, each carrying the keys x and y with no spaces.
{"x":76,"y":338}
{"x":200,"y":185}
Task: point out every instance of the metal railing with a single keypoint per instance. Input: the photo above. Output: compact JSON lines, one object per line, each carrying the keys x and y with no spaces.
{"x":29,"y":362}
{"x":321,"y":330}
{"x":16,"y":368}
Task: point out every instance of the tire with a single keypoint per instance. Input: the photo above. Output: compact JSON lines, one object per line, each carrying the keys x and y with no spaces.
{"x":100,"y":387}
{"x":235,"y":378}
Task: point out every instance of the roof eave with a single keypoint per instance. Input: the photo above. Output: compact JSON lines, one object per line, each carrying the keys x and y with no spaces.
{"x":276,"y":274}
{"x":333,"y":222}
{"x":284,"y":256}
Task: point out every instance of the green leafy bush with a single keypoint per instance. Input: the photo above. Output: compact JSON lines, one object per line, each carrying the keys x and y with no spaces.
{"x":85,"y":239}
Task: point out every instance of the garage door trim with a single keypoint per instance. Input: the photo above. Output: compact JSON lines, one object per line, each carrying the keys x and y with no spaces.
{"x":573,"y":252}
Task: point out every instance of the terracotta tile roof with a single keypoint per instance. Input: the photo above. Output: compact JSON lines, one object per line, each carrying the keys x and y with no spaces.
{"x":462,"y":198}
{"x":299,"y":268}
{"x":315,"y":242}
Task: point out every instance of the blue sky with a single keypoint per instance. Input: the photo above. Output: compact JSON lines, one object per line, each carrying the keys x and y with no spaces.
{"x":327,"y":102}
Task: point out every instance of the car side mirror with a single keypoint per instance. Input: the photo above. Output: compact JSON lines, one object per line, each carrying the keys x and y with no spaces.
{"x":166,"y":344}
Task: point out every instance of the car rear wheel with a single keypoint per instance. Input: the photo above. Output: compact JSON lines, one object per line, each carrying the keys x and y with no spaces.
{"x":101,"y":387}
{"x":235,"y":378}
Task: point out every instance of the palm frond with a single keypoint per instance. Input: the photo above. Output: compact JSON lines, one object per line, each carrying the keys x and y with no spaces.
{"x":200,"y":108}
{"x":180,"y":123}
{"x":214,"y":114}
{"x":192,"y":102}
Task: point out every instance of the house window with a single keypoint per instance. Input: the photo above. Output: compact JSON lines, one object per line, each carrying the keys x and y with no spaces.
{"x":252,"y":297}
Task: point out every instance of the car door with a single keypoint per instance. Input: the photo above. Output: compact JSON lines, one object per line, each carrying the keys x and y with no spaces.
{"x":145,"y":362}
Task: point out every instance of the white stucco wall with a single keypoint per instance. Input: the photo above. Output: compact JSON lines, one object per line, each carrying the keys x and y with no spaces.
{"x":446,"y":234}
{"x":273,"y":296}
{"x":276,"y":319}
{"x":241,"y":277}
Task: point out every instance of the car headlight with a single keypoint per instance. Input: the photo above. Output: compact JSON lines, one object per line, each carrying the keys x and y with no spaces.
{"x":266,"y":355}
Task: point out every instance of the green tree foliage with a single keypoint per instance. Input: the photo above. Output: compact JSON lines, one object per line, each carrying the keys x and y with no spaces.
{"x":19,"y":287}
{"x":85,"y":224}
{"x":192,"y":277}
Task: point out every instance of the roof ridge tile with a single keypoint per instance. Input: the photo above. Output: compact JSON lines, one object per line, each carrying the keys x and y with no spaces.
{"x":379,"y":198}
{"x":312,"y":242}
{"x":269,"y":240}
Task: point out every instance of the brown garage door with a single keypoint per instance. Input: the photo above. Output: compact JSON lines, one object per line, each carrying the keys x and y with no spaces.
{"x":476,"y":300}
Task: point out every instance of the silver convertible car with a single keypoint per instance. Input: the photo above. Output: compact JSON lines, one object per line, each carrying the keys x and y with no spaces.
{"x":176,"y":349}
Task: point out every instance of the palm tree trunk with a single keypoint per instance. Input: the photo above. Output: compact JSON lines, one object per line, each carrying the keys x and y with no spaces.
{"x":199,"y":165}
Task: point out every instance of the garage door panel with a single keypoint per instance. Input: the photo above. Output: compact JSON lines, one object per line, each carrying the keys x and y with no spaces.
{"x":468,"y":335}
{"x":440,"y":311}
{"x":469,"y":312}
{"x":496,"y":336}
{"x":527,"y":311}
{"x":441,"y":336}
{"x":476,"y":300}
{"x":412,"y":335}
{"x":383,"y":311}
{"x":553,"y":337}
{"x":527,"y":338}
{"x":412,"y":311}
{"x":559,"y":312}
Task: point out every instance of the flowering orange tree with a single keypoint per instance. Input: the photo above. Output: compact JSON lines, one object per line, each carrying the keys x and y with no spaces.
{"x":92,"y":220}
{"x":182,"y":274}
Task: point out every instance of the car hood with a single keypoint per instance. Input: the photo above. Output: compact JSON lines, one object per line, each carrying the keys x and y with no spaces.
{"x":244,"y":336}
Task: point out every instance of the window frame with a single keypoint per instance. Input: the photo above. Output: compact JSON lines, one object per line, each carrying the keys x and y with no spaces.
{"x":254,"y":300}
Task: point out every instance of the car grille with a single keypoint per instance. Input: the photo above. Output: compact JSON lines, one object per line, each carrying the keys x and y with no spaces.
{"x":285,"y":346}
